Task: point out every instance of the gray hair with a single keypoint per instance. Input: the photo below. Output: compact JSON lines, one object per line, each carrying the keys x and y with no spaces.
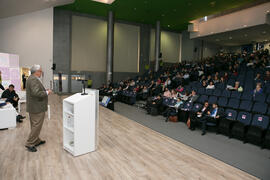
{"x":35,"y":68}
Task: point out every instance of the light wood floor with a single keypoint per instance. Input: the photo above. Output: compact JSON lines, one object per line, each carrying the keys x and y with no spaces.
{"x":127,"y":150}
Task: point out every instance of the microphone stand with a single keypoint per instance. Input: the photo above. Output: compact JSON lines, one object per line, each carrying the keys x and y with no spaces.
{"x":83,"y":91}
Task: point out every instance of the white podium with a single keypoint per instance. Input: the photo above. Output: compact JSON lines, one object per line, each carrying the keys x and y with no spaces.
{"x":80,"y":123}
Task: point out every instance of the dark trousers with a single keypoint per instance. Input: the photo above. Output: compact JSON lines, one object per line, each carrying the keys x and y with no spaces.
{"x":14,"y":103}
{"x":169,"y":111}
{"x":194,"y":119}
{"x":205,"y":120}
{"x":183,"y":115}
{"x":151,"y":106}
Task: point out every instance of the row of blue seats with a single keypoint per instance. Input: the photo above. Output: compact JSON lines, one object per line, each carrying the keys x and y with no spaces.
{"x":240,"y":124}
{"x":245,"y":105}
{"x":246,"y":95}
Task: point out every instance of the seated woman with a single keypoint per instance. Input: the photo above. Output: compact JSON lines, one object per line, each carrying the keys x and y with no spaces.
{"x":184,"y":97}
{"x":180,"y":89}
{"x":258,"y":89}
{"x":174,"y":94}
{"x":167,"y":93}
{"x":210,"y":85}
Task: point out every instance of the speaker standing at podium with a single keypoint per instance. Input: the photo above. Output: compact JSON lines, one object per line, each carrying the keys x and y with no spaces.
{"x":36,"y":106}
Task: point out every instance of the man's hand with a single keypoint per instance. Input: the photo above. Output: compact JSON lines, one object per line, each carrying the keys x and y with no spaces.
{"x":15,"y":98}
{"x":49,"y":91}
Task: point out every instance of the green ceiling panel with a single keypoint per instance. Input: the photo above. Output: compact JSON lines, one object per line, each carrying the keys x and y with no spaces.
{"x":173,"y":14}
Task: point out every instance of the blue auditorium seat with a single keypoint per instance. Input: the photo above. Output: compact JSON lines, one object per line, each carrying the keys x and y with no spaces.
{"x":226,"y":123}
{"x":202,"y":99}
{"x":217,"y":92}
{"x":209,"y":92}
{"x":247,"y":95}
{"x":222,"y":101}
{"x":239,"y":128}
{"x":259,"y":107}
{"x":236,"y":94}
{"x":212,"y":99}
{"x":257,"y":128}
{"x":196,"y":107}
{"x":245,"y":105}
{"x":233,"y":103}
{"x":259,"y":97}
{"x":201,"y":91}
{"x":226,"y":93}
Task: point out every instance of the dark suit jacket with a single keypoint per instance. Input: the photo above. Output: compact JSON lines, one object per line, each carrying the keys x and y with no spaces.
{"x":9,"y":95}
{"x":192,"y":99}
{"x":36,"y":96}
{"x":205,"y":111}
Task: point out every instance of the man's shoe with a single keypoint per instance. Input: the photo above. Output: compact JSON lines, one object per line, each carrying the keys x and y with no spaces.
{"x":21,"y":117}
{"x":18,"y":119}
{"x":40,"y":143}
{"x":203,"y":133}
{"x":31,"y":149}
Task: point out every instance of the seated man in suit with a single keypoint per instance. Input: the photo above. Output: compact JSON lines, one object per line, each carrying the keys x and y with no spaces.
{"x":193,"y":96}
{"x":195,"y":117}
{"x":11,"y":96}
{"x":212,"y":116}
{"x":156,"y":103}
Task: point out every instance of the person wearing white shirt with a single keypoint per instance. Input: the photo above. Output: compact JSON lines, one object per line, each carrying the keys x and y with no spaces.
{"x":210,"y":85}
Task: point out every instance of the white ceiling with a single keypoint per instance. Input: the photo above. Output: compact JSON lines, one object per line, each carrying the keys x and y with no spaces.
{"x":244,"y":36}
{"x":17,"y":7}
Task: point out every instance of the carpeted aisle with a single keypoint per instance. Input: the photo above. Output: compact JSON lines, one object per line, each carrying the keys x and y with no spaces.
{"x":247,"y":157}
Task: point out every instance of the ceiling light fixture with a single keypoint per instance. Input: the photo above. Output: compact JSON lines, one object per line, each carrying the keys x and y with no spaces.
{"x":244,"y":25}
{"x":105,"y":1}
{"x":230,"y":37}
{"x":268,"y":11}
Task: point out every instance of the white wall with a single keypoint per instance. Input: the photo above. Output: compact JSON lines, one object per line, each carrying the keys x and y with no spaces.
{"x":170,"y":46}
{"x":31,"y":37}
{"x":89,"y":43}
{"x":244,"y":18}
{"x":126,"y":48}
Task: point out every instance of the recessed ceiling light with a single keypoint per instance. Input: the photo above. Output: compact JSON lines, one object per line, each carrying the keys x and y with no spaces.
{"x":105,"y":1}
{"x":168,"y":25}
{"x":244,"y":25}
{"x":268,"y":11}
{"x":226,"y":29}
{"x":230,"y":37}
